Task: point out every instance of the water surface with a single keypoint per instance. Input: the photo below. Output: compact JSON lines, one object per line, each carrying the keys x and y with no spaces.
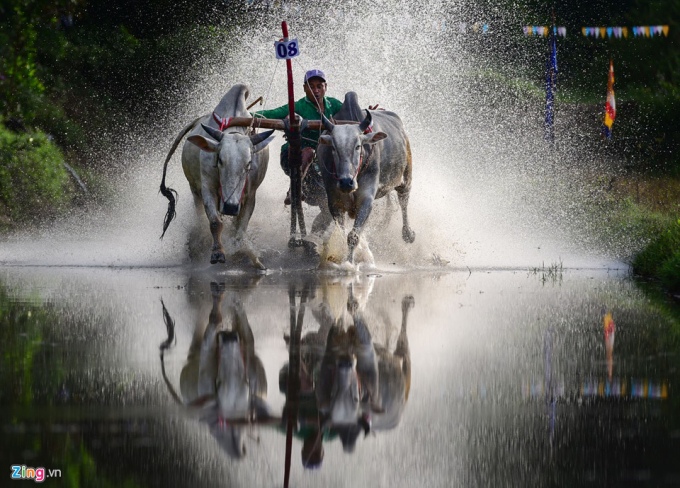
{"x":511,"y":378}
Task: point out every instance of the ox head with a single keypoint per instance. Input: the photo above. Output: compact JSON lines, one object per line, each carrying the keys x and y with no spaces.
{"x":237,"y":400}
{"x":342,"y":397}
{"x":233,"y":158}
{"x":346,"y":143}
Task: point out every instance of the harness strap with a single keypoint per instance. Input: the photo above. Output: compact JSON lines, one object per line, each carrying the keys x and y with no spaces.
{"x":224,"y":122}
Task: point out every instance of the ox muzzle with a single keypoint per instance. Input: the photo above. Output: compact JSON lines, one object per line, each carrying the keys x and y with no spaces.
{"x":231,"y":209}
{"x":347,"y":185}
{"x":224,"y":337}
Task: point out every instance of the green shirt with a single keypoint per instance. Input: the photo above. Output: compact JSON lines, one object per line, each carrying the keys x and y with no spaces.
{"x":306,"y":109}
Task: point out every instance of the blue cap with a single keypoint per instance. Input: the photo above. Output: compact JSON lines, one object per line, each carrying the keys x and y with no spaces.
{"x":314,"y":73}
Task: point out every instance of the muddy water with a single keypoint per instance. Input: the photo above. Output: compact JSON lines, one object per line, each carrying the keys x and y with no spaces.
{"x":482,"y":378}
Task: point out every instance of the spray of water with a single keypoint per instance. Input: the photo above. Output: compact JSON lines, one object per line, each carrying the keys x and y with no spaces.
{"x":487,"y":190}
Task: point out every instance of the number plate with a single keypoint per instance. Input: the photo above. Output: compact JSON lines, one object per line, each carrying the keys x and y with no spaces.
{"x":287,"y":49}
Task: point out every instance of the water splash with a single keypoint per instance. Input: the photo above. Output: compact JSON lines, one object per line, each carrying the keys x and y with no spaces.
{"x":486,"y":189}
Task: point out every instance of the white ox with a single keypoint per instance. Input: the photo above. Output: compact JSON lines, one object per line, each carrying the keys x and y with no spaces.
{"x":223,"y":376}
{"x":224,"y":167}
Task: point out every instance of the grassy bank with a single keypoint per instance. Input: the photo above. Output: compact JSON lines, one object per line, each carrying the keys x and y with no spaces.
{"x":34,"y":180}
{"x":649,"y":209}
{"x":661,"y":258}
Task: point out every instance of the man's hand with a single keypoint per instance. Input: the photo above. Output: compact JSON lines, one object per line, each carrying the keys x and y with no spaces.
{"x":375,"y":107}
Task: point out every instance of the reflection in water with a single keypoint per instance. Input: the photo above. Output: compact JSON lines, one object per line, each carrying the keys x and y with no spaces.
{"x":346,"y":383}
{"x":494,"y":396}
{"x":609,"y":330}
{"x":223,"y":376}
{"x":338,"y":383}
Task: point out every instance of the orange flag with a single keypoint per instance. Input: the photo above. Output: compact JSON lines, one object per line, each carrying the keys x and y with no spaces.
{"x":610,"y":107}
{"x":609,"y":330}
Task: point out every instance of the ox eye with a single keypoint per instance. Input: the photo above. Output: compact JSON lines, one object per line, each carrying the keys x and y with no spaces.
{"x":357,"y":148}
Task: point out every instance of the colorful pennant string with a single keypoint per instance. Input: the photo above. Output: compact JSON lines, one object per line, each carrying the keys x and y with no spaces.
{"x":477,"y":28}
{"x":543,"y":31}
{"x":622,"y":32}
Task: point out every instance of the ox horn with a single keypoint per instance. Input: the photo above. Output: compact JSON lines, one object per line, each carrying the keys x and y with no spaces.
{"x":327,"y":124}
{"x":258,"y":138}
{"x":214,"y":133}
{"x":366,"y":122}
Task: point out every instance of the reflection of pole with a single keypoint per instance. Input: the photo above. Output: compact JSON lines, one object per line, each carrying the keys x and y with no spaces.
{"x":293,"y":387}
{"x":294,"y":156}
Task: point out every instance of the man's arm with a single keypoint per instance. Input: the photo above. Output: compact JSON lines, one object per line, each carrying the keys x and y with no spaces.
{"x":336,"y":105}
{"x":275,"y":113}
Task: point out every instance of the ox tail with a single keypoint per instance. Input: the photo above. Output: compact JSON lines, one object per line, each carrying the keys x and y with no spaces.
{"x":170,"y":325}
{"x":169,"y":193}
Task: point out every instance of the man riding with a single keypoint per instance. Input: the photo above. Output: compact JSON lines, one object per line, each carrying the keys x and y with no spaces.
{"x":311,"y":107}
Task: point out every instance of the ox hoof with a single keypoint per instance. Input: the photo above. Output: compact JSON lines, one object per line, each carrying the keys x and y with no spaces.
{"x":352,"y":305}
{"x":310,"y":248}
{"x":294,"y":242}
{"x":352,"y":239}
{"x":408,"y":235}
{"x":217,"y":257}
{"x":217,"y":288}
{"x":258,"y":264}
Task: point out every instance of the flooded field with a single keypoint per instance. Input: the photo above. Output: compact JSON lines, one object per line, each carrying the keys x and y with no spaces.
{"x":507,"y":345}
{"x":481,"y":377}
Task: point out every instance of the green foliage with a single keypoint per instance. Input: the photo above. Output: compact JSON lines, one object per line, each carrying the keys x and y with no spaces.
{"x":33,"y":180}
{"x":661,"y":258}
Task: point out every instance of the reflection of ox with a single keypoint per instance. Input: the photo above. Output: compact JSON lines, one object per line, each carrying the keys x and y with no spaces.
{"x":358,"y":385}
{"x":223,"y":375}
{"x":356,"y":170}
{"x":361,"y":384}
{"x":224,"y":170}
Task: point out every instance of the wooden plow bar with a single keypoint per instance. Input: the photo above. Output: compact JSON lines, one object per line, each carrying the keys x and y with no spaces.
{"x":279,"y":124}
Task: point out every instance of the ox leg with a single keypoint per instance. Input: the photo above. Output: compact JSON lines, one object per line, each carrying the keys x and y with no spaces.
{"x":364,"y":203}
{"x":403,"y":193}
{"x":241,"y":226}
{"x":407,"y":233}
{"x":323,"y":220}
{"x":402,"y":351}
{"x":216,"y":226}
{"x":197,"y":238}
{"x":367,"y":360}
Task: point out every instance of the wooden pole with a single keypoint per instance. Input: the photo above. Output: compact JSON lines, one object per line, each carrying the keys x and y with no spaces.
{"x":294,"y":158}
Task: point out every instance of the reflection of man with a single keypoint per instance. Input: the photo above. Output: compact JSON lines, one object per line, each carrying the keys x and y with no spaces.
{"x":311,"y":107}
{"x":309,"y":422}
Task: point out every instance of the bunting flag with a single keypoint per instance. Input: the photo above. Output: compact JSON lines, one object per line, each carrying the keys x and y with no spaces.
{"x":622,"y":32}
{"x":610,"y":107}
{"x":550,"y":81}
{"x":476,"y":28}
{"x":540,"y":30}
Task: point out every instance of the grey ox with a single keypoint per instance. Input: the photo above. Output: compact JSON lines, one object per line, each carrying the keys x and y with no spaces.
{"x":224,"y":170}
{"x":223,"y":377}
{"x":362,"y":385}
{"x":356,"y":170}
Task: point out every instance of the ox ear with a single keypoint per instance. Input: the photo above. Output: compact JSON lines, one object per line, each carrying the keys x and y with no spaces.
{"x":262,"y":410}
{"x":204,"y":143}
{"x":373,"y":137}
{"x":326,"y":140}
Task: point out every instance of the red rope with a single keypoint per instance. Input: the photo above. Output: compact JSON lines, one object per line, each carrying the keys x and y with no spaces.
{"x":224,"y":122}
